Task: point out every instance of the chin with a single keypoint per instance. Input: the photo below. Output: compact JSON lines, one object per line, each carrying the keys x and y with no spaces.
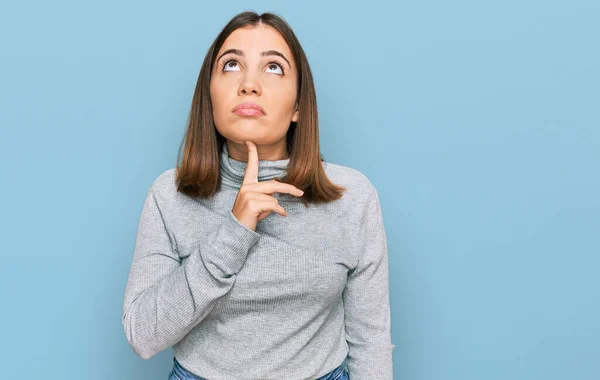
{"x":241,"y":136}
{"x":251,"y":129}
{"x":241,"y":132}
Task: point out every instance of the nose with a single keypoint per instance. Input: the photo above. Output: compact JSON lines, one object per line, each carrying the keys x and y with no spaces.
{"x":249,"y":85}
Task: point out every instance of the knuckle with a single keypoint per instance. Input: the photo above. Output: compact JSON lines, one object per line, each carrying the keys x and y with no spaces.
{"x":253,"y":206}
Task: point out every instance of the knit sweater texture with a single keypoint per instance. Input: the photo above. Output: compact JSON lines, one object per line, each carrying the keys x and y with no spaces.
{"x":294,"y":299}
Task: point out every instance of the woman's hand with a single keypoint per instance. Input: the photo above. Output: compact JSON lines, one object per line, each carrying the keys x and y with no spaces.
{"x":254,"y":201}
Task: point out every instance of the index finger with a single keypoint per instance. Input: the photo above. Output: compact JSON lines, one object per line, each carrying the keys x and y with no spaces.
{"x":251,"y":174}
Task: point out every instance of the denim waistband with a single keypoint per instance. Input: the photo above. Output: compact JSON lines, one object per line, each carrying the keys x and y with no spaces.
{"x":183,"y":374}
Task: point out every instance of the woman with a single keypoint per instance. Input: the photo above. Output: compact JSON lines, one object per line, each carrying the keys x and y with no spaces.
{"x":254,"y":258}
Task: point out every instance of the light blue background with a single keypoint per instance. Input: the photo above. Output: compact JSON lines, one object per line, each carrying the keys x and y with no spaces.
{"x":477,"y":121}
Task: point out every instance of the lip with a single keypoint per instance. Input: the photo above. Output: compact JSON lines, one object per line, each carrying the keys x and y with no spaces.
{"x":248,"y":109}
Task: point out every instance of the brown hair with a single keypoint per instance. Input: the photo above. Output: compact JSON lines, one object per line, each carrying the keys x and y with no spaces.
{"x":198,"y":175}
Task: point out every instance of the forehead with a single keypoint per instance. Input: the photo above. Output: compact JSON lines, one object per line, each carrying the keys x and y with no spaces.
{"x":253,"y":40}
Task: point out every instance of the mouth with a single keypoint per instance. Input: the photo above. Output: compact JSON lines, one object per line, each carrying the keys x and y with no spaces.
{"x":248,"y":109}
{"x":248,"y":112}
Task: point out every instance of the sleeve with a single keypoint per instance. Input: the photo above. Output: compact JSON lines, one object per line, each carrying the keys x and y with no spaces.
{"x":366,"y":301}
{"x":164,"y":299}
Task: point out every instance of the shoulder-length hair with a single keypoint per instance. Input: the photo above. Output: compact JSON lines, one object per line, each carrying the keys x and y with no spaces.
{"x":198,"y":174}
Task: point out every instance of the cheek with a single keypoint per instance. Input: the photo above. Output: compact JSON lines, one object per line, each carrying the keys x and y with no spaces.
{"x":217,"y":99}
{"x":285,"y":97}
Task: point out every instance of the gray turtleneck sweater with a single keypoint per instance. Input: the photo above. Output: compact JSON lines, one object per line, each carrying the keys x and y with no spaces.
{"x":294,"y":299}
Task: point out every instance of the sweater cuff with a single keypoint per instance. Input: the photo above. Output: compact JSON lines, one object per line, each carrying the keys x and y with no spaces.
{"x":231,"y":244}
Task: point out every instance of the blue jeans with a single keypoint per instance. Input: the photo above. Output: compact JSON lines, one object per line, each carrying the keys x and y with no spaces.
{"x":180,"y":373}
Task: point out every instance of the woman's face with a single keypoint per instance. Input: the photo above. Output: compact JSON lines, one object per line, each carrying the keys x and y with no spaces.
{"x":254,"y":72}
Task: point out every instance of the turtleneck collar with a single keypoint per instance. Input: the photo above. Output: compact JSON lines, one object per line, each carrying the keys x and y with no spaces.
{"x":232,"y":171}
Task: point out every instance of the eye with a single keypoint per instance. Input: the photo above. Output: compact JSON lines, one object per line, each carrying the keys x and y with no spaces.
{"x":232,"y":65}
{"x":276,"y":65}
{"x":229,"y":64}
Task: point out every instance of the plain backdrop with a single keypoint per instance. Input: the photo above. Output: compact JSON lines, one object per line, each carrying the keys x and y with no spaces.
{"x":477,"y":121}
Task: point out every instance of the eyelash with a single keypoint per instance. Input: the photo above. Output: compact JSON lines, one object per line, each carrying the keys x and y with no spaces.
{"x":224,"y":63}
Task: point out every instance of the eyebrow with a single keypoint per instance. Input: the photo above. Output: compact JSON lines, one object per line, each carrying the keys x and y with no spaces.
{"x":263,"y":54}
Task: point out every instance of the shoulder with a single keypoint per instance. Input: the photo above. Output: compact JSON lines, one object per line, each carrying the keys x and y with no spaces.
{"x":165,"y":186}
{"x":359,"y":186}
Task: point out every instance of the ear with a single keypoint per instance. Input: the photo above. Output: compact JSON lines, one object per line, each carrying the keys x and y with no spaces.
{"x":295,"y":115}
